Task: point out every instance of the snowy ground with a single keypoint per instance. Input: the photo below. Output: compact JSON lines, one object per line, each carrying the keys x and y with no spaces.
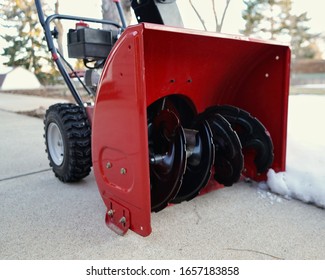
{"x":304,"y":178}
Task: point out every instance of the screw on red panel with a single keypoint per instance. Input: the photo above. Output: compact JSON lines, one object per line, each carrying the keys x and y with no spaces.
{"x":122,"y":221}
{"x":123,"y":171}
{"x":110,"y":212}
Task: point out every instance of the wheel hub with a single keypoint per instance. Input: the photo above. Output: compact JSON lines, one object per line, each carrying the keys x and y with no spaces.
{"x":55,"y":143}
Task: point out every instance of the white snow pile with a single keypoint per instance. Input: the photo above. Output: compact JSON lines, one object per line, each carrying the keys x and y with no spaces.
{"x":304,"y":178}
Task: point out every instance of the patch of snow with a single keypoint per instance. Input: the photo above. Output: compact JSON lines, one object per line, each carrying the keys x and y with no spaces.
{"x":268,"y":196}
{"x":304,"y":178}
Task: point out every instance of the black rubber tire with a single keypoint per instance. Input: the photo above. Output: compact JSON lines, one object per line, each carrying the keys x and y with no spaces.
{"x":71,"y":123}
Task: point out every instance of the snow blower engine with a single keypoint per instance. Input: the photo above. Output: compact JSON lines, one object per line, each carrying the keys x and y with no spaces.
{"x":177,"y":113}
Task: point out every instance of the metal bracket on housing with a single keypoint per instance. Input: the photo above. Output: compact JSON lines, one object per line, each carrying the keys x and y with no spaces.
{"x":117,"y":218}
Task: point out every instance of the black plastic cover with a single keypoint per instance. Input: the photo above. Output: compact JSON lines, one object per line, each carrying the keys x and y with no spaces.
{"x":90,"y":43}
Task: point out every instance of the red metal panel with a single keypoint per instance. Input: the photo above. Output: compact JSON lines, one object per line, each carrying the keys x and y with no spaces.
{"x":151,"y":61}
{"x":119,"y":137}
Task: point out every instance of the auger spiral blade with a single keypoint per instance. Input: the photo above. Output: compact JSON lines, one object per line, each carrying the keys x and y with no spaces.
{"x":251,"y":132}
{"x":229,"y":161}
{"x":167,"y":156}
{"x":200,"y":158}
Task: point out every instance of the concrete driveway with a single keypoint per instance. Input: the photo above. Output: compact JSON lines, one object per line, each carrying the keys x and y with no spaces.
{"x":42,"y":218}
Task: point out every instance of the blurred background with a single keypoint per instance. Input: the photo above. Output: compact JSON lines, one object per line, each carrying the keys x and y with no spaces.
{"x":299,"y":23}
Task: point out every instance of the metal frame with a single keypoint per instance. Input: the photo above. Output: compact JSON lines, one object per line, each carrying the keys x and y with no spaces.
{"x":45,"y":22}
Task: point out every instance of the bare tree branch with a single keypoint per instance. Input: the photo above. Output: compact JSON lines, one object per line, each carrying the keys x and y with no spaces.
{"x":198,"y":15}
{"x":223,"y":15}
{"x":110,"y":12}
{"x":218,"y":26}
{"x":215,"y":14}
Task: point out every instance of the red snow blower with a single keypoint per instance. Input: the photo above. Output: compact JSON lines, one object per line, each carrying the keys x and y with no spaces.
{"x":177,"y":112}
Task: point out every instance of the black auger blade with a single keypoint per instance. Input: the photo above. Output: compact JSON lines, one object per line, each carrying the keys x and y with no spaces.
{"x":199,"y":162}
{"x":251,"y":132}
{"x":229,"y":161}
{"x":167,"y":154}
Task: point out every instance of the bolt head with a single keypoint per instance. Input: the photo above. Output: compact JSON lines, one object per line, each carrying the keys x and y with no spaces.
{"x":110,"y":212}
{"x":123,"y":171}
{"x":122,"y":220}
